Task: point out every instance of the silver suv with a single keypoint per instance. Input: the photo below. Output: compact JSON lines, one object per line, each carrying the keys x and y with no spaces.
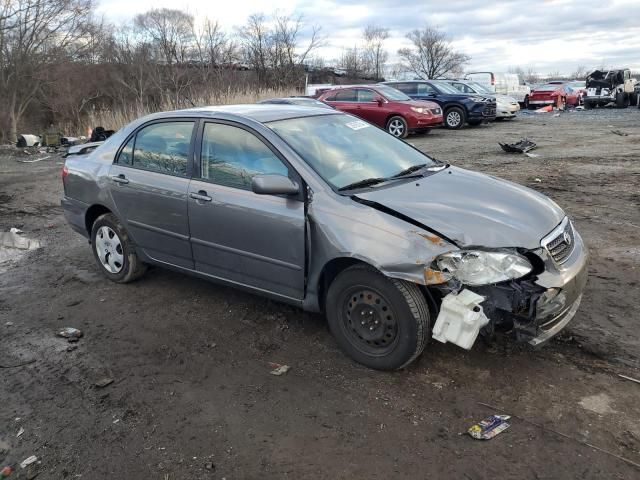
{"x":324,"y":211}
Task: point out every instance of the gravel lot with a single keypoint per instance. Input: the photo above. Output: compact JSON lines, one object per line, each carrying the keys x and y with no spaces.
{"x":192,"y":396}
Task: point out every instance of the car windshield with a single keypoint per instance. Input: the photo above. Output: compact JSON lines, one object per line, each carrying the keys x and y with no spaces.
{"x":480,"y":88}
{"x":344,"y":150}
{"x":391,"y":93}
{"x":446,"y":88}
{"x":547,"y":88}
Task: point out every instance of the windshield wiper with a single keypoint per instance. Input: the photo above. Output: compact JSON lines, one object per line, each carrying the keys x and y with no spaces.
{"x":367,"y":182}
{"x":407,"y":171}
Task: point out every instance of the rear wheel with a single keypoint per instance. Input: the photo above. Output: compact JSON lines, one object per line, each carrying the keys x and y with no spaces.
{"x":454,"y":118}
{"x":380,"y":322}
{"x":588,"y":105}
{"x":622,"y":100}
{"x":397,"y":126}
{"x":114,"y":251}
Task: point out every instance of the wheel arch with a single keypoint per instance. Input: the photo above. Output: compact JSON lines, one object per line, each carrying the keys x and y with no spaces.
{"x":391,"y":115}
{"x":92,"y":214}
{"x":331,"y":270}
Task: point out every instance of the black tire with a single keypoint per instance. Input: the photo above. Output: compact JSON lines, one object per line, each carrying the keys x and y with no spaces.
{"x":396,"y":313}
{"x":454,"y":118}
{"x":588,"y":105}
{"x":526,"y":102}
{"x":621,"y":100}
{"x":397,"y":126}
{"x":131,"y":267}
{"x":633,"y":99}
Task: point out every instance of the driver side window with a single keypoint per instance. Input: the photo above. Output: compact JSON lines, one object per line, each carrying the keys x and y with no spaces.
{"x":232,"y":156}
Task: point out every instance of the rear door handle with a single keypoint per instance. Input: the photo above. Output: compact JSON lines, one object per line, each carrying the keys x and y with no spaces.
{"x":201,"y":196}
{"x":121,"y":179}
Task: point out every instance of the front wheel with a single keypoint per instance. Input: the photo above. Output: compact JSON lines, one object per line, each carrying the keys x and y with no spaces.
{"x":380,"y":322}
{"x":114,"y":251}
{"x":397,"y":126}
{"x":454,"y":118}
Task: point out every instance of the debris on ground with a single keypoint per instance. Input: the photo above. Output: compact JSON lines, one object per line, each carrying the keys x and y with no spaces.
{"x":580,"y":107}
{"x":547,"y":109}
{"x":15,"y":230}
{"x":6,"y":471}
{"x":523,"y":146}
{"x":620,"y":132}
{"x":20,"y":432}
{"x":489,"y":427}
{"x":279,"y":369}
{"x":537,"y":180}
{"x":28,"y":461}
{"x":631,"y":379}
{"x":12,"y":239}
{"x":103,"y":382}
{"x":34,"y":160}
{"x":71,"y":334}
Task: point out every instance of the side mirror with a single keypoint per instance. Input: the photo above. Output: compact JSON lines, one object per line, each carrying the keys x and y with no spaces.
{"x":379,"y":101}
{"x":272,"y":184}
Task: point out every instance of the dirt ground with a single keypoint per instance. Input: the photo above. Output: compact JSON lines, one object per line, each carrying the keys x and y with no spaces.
{"x":192,"y":397}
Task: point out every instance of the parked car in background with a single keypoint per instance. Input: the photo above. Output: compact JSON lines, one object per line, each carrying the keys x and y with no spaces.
{"x":385,"y":107}
{"x":510,"y":84}
{"x":321,"y":210}
{"x":554,"y":94}
{"x":459,"y":108}
{"x":506,"y":106}
{"x":608,"y":86}
{"x":304,"y":101}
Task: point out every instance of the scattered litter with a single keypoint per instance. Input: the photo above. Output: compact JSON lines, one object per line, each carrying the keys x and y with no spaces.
{"x":11,"y":239}
{"x":6,"y":471}
{"x":116,"y":421}
{"x":20,"y":432}
{"x":620,"y":132}
{"x":103,"y":382}
{"x":15,"y":230}
{"x":71,"y":348}
{"x":34,"y":160}
{"x":531,"y":155}
{"x":28,"y":461}
{"x":279,"y":369}
{"x":547,"y":109}
{"x":564,"y":435}
{"x":537,"y":180}
{"x":489,"y":427}
{"x":209,"y":466}
{"x":522,"y":146}
{"x":71,"y":334}
{"x":579,"y":107}
{"x":631,"y":379}
{"x":9,"y":324}
{"x":556,"y":114}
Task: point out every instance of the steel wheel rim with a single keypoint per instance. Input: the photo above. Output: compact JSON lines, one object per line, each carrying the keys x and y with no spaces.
{"x":396,"y":128}
{"x":368,"y":321}
{"x":453,"y":119}
{"x":109,"y":250}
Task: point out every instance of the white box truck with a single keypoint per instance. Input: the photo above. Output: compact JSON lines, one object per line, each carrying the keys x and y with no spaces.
{"x":506,"y":83}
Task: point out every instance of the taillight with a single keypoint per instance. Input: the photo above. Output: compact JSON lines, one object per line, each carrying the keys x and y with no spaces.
{"x":65,"y":172}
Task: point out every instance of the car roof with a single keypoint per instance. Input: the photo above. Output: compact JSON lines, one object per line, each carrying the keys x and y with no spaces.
{"x":263,"y":112}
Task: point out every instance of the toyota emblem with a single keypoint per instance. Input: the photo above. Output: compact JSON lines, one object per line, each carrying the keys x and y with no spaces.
{"x":567,"y":238}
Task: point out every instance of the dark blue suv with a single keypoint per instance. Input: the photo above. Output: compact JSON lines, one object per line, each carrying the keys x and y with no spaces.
{"x":458,"y":108}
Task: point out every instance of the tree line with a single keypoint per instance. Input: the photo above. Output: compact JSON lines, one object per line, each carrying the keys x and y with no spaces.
{"x":61,"y":64}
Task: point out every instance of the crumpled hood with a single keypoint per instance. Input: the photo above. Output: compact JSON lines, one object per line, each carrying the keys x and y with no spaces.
{"x":473,"y":209}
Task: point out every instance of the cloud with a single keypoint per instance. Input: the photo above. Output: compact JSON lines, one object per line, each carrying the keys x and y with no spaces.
{"x":548,"y":35}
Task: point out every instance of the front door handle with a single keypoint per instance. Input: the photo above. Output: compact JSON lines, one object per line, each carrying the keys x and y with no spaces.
{"x":121,"y":179}
{"x":201,"y":196}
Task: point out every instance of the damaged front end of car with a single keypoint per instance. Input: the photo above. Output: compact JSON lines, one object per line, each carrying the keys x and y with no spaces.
{"x":532,"y":293}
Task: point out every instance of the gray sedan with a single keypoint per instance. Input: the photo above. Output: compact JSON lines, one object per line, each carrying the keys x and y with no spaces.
{"x":324,"y":211}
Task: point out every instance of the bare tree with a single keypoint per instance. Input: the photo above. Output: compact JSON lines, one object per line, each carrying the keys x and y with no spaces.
{"x":33,"y":35}
{"x":432,"y":55}
{"x":351,"y":62}
{"x":170,"y":30}
{"x":580,"y":72}
{"x":375,"y":56}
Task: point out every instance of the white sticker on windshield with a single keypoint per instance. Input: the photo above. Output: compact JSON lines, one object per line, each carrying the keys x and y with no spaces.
{"x":358,"y":125}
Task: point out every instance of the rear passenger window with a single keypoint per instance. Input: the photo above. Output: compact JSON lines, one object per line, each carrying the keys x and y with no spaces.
{"x":365,"y":96}
{"x":346,"y":96}
{"x":161,"y":147}
{"x":232,"y":156}
{"x":407,"y":88}
{"x":425,"y":88}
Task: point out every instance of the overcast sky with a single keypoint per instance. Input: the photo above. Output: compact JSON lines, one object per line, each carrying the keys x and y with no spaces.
{"x":547,"y":35}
